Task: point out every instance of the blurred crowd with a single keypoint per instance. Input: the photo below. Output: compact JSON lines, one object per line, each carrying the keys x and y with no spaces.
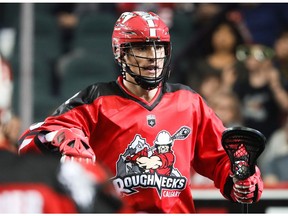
{"x":234,"y":54}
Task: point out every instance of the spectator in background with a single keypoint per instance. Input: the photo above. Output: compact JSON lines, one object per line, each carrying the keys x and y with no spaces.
{"x":227,"y":106}
{"x":9,"y":123}
{"x":205,"y":18}
{"x":156,"y":7}
{"x":66,"y":23}
{"x":9,"y":133}
{"x":6,"y":88}
{"x":214,"y":82}
{"x":221,"y":59}
{"x":164,"y":10}
{"x":264,"y":21}
{"x":209,"y":84}
{"x":274,"y":160}
{"x":262,"y":93}
{"x":69,"y":15}
{"x":281,"y":53}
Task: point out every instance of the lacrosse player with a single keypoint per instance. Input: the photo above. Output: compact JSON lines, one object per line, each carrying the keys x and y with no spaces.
{"x":118,"y":124}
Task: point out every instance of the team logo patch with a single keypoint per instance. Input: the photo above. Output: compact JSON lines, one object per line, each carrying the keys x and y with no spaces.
{"x":145,"y":166}
{"x":151,"y":120}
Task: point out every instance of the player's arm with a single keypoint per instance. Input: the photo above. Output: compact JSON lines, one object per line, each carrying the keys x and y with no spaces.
{"x":69,"y":143}
{"x":212,"y":161}
{"x":67,"y":131}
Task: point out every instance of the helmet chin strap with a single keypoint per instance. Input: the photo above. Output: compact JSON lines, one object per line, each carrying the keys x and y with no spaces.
{"x":145,"y":83}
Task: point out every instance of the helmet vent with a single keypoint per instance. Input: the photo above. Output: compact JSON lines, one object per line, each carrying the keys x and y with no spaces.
{"x":130,"y":32}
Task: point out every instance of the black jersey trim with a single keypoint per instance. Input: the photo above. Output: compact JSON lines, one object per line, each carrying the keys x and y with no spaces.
{"x":168,"y":88}
{"x":88,"y":95}
{"x":94,"y":91}
{"x":173,"y":87}
{"x":146,"y":106}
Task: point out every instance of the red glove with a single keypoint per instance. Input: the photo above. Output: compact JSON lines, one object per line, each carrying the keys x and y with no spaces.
{"x":249,"y":190}
{"x":72,"y":144}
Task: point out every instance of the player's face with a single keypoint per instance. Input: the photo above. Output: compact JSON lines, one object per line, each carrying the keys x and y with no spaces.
{"x":146,"y":60}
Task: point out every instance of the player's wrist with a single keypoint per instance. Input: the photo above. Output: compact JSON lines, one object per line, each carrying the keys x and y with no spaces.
{"x":61,"y":139}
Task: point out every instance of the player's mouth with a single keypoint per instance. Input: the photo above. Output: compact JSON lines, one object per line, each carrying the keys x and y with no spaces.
{"x":151,"y":69}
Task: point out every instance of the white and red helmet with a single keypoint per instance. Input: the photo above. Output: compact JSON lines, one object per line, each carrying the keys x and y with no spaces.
{"x":140,"y":28}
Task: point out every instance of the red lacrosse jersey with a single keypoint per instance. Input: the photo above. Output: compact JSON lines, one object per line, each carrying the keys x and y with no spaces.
{"x":120,"y":125}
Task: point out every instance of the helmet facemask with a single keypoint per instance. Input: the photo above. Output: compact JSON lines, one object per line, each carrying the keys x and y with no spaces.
{"x":159,"y":63}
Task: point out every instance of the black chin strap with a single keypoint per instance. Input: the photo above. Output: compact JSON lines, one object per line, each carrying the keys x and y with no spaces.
{"x":145,"y":83}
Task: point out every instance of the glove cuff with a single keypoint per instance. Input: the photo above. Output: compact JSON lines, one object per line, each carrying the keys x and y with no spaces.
{"x":71,"y":143}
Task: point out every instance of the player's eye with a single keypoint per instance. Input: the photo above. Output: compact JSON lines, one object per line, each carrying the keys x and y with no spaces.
{"x":143,"y":48}
{"x":159,"y":46}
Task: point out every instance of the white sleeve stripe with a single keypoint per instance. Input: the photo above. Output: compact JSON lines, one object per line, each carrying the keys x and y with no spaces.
{"x":25,"y":143}
{"x":36,"y":125}
{"x":50,"y":136}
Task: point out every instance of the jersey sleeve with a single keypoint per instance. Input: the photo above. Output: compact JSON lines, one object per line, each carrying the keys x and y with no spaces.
{"x":74,"y":113}
{"x":210,"y":158}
